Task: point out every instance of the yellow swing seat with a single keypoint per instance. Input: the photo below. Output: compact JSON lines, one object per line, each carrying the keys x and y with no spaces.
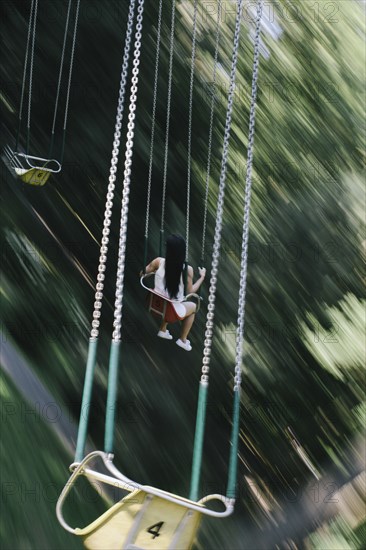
{"x":30,"y":169}
{"x":34,"y":176}
{"x":146,"y":519}
{"x":142,"y":520}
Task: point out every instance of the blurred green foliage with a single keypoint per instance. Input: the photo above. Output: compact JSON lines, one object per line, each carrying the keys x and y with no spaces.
{"x":30,"y":487}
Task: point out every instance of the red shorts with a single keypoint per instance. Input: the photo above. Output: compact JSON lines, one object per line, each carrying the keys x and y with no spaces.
{"x":174,"y":311}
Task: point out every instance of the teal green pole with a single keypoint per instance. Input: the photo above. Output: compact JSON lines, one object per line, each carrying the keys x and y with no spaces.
{"x":233,"y":464}
{"x":185,"y":276}
{"x":145,"y":254}
{"x":63,"y":146}
{"x":112,"y":396}
{"x":51,"y":145}
{"x":198,"y":441}
{"x":28,"y":141}
{"x":86,"y":401}
{"x":18,"y":135}
{"x":161,"y":242}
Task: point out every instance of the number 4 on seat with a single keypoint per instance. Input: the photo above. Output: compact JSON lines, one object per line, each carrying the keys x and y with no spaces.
{"x":143,"y":521}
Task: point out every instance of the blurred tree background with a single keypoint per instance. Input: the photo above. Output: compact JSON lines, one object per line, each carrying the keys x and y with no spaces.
{"x":303,"y":404}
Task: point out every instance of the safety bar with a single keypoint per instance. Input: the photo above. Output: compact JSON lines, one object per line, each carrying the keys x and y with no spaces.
{"x":122,"y":482}
{"x":16,"y":160}
{"x":185,"y":299}
{"x":11,"y":158}
{"x":47,"y":162}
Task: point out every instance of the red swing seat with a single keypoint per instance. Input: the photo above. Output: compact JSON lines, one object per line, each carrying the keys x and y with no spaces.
{"x":162,"y":307}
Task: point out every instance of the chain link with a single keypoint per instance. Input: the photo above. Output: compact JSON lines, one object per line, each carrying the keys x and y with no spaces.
{"x":61,"y":67}
{"x":116,"y":336}
{"x":112,"y":177}
{"x":34,"y":24}
{"x":220,"y":205}
{"x":25,"y":70}
{"x":213,"y":99}
{"x":189,"y":148}
{"x":71,"y":62}
{"x":248,"y":187}
{"x":171,"y":49}
{"x":153,"y":120}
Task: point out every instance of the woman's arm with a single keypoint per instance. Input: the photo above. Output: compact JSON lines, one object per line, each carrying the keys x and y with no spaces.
{"x":151,"y":267}
{"x":193,"y":287}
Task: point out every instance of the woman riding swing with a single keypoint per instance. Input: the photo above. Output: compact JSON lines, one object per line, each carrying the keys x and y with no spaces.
{"x":169,"y":274}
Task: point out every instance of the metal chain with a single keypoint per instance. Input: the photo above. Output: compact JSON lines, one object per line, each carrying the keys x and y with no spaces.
{"x":25,"y":71}
{"x":170,"y":73}
{"x":61,"y":66}
{"x":32,"y":62}
{"x":153,"y":120}
{"x":220,"y":205}
{"x":112,"y":177}
{"x":248,"y":186}
{"x":213,"y":99}
{"x":71,"y":63}
{"x":195,"y":9}
{"x":116,"y":336}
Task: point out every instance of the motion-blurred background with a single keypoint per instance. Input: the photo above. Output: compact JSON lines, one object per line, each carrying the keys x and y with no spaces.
{"x":302,"y":451}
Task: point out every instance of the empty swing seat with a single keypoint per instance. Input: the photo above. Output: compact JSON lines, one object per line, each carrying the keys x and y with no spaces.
{"x":142,"y":520}
{"x":30,"y":169}
{"x":147,"y":518}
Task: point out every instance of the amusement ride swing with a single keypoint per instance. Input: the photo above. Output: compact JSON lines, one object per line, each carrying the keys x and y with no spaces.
{"x":149,"y":517}
{"x":158,"y":305}
{"x":32,"y":169}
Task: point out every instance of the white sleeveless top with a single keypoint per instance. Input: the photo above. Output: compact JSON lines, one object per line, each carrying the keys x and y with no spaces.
{"x":160,"y":283}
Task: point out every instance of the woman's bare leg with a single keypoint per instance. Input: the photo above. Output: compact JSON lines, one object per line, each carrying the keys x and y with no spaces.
{"x":188,"y":320}
{"x":163,"y":326}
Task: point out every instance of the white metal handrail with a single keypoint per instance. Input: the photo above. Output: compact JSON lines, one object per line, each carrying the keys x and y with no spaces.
{"x":185,"y":299}
{"x":122,"y":482}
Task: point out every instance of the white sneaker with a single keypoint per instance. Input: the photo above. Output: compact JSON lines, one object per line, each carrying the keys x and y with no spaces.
{"x":184,"y":345}
{"x":166,"y":335}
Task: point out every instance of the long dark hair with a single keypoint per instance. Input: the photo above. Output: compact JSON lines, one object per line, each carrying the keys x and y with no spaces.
{"x":174,"y":263}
